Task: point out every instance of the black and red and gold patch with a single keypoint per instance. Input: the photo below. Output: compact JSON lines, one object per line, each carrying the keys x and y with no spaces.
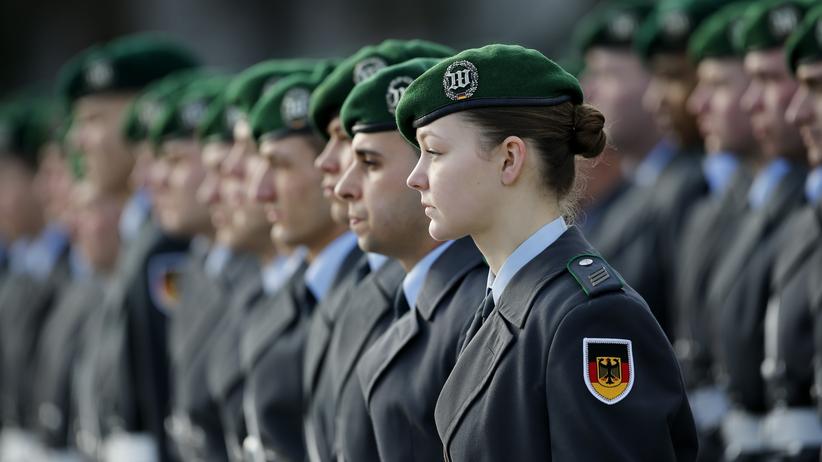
{"x":608,"y":368}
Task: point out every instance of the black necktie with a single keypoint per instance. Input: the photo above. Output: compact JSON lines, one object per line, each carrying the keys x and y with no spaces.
{"x":483,"y":311}
{"x":400,"y":303}
{"x":304,"y":297}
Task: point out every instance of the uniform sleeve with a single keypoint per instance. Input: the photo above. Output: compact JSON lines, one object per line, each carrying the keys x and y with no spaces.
{"x":614,"y":389}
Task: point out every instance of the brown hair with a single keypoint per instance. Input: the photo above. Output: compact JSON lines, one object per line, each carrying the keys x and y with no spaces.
{"x":559,"y":133}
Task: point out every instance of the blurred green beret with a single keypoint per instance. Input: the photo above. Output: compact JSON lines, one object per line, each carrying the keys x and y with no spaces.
{"x":669,"y":26}
{"x":283,"y":109}
{"x":612,"y":25}
{"x":25,"y":126}
{"x":125,"y":64}
{"x":184,"y":112}
{"x":805,"y":44}
{"x":372,"y":104}
{"x":328,"y":98}
{"x":718,"y":35}
{"x":491,"y":76}
{"x":768,"y":23}
{"x":143,"y":112}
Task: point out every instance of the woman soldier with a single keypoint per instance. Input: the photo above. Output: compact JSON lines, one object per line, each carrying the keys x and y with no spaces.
{"x":563,"y":361}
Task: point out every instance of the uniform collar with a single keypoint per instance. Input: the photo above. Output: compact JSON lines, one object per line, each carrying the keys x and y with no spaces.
{"x":766,"y":182}
{"x":813,"y":185}
{"x":320,"y":275}
{"x":43,"y":252}
{"x":651,"y":167}
{"x":413,"y":281}
{"x":719,"y":169}
{"x":134,"y":214}
{"x":277,"y":272}
{"x":375,"y":261}
{"x":523,"y":254}
{"x":217,"y":259}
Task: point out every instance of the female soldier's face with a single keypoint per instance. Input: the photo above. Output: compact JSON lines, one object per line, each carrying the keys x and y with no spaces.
{"x":457,"y":181}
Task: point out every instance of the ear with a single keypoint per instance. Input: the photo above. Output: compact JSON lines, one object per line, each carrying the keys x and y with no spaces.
{"x":514,"y":153}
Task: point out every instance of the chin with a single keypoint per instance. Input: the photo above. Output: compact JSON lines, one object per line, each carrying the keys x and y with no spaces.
{"x":440,"y":232}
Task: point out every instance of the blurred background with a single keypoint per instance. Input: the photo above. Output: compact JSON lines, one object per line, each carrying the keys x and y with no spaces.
{"x":38,"y":36}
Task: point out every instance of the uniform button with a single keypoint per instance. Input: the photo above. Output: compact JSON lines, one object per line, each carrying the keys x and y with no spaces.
{"x":586,"y":262}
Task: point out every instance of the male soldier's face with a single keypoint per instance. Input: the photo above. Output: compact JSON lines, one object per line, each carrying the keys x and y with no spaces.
{"x":805,"y":110}
{"x":178,"y":172}
{"x":209,"y":192}
{"x":250,"y":228}
{"x":290,"y":187}
{"x":97,"y":218}
{"x":766,"y":101}
{"x":54,"y":183}
{"x":614,"y":82}
{"x":333,"y":161}
{"x":20,"y":205}
{"x":143,"y":160}
{"x":384,"y":213}
{"x":715,"y":103}
{"x":672,"y":80}
{"x":96,"y":132}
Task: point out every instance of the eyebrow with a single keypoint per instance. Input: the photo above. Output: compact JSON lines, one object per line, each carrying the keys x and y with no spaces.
{"x":365,"y":152}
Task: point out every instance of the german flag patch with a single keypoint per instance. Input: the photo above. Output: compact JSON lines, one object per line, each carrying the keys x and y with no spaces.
{"x":608,"y":368}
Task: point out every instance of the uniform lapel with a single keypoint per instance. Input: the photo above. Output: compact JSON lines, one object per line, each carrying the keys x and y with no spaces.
{"x":445,"y":273}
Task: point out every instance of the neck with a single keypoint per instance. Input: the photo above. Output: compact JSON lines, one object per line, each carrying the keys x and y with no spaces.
{"x":418,"y":253}
{"x":511,"y":226}
{"x":323,"y":240}
{"x":267,"y":253}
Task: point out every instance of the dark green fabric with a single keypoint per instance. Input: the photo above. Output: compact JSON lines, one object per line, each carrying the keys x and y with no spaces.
{"x":144,"y":110}
{"x":612,"y":24}
{"x":125,"y":64}
{"x":718,"y":36}
{"x":371,"y":105}
{"x":186,"y":109}
{"x":669,"y":26}
{"x":805,"y":44}
{"x":491,"y":76}
{"x":767,"y":24}
{"x":328,"y":98}
{"x":25,"y":126}
{"x":283,"y":109}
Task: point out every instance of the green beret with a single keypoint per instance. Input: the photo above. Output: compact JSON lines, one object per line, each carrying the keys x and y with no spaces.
{"x":25,"y":126}
{"x":805,"y":44}
{"x":283,"y":109}
{"x":718,"y":35}
{"x":371,"y":105}
{"x":328,"y":98}
{"x":612,"y":25}
{"x":143,"y":112}
{"x":245,"y":90}
{"x":491,"y":76}
{"x":767,"y":24}
{"x":185,"y":110}
{"x":670,"y":25}
{"x":125,"y":64}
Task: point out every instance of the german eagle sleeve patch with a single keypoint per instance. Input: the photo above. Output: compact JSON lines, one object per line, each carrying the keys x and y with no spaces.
{"x":608,"y":368}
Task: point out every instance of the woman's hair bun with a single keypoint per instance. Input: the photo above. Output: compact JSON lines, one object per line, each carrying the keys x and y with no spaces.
{"x":588,"y":137}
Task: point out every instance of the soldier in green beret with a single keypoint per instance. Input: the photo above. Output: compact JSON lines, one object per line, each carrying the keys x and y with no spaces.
{"x":736,"y":293}
{"x":614,"y":79}
{"x":434,"y":301}
{"x":122,"y":379}
{"x":497,"y":164}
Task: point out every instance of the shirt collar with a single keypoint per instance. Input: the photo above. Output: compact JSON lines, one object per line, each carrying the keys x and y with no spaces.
{"x":813,"y":185}
{"x":43,"y":253}
{"x":17,"y":255}
{"x":648,"y":171}
{"x":415,"y":279}
{"x":719,"y":169}
{"x":217,"y":259}
{"x":320,"y":275}
{"x":134,"y":214}
{"x":375,"y":260}
{"x":278,"y":271}
{"x":526,"y":252}
{"x":766,"y":181}
{"x":80,"y":267}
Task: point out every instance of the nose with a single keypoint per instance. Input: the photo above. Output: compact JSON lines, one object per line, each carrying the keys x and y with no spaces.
{"x":751,"y":100}
{"x":209,"y":191}
{"x":233,"y":166}
{"x":652,"y":98}
{"x":697,"y":102}
{"x":263,"y":186}
{"x":348,"y":188}
{"x":418,"y":179}
{"x":799,"y":111}
{"x":329,"y":159}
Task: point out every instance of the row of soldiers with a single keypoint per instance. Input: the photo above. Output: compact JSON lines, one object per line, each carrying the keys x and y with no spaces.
{"x":195,"y":269}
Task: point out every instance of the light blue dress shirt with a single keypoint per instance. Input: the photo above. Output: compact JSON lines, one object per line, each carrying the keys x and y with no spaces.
{"x":766,"y":182}
{"x":719,"y":168}
{"x":375,"y":260}
{"x":813,"y":185}
{"x":278,"y":271}
{"x":651,"y":167}
{"x":414,"y":281}
{"x":217,"y":259}
{"x":323,"y":270}
{"x":523,"y":254}
{"x":134,"y":214}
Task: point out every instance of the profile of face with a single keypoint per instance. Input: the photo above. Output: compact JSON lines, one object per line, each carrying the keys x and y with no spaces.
{"x":805,"y":110}
{"x":96,"y":133}
{"x":715,"y":103}
{"x":20,"y":204}
{"x":143,"y":160}
{"x":249,"y":228}
{"x":178,"y":173}
{"x":334,"y":159}
{"x":673,"y":78}
{"x":209,"y":192}
{"x":614,"y":82}
{"x":384,"y":213}
{"x":54,"y":183}
{"x":771,"y":89}
{"x":97,"y":217}
{"x":290,"y":188}
{"x":457,"y":180}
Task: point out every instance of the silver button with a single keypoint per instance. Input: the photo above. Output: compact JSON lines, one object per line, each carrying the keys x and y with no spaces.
{"x":586,"y":262}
